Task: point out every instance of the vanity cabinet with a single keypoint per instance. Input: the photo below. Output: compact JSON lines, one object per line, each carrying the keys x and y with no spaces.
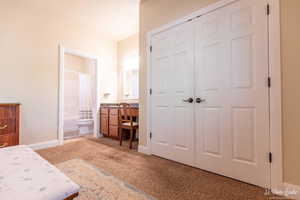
{"x":109,"y":120}
{"x":104,"y":121}
{"x":113,"y":123}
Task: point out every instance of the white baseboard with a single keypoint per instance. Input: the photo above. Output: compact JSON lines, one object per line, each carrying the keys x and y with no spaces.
{"x":290,"y":191}
{"x":44,"y":145}
{"x":144,"y":150}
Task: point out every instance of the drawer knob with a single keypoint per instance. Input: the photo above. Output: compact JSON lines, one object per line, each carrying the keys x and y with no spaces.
{"x":3,"y":145}
{"x":3,"y":127}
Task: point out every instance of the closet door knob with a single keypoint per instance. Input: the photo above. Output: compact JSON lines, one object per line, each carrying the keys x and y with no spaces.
{"x":199,"y":100}
{"x":189,"y":100}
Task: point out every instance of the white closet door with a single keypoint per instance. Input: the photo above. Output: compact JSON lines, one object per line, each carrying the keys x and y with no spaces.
{"x":232,"y":122}
{"x":172,"y":82}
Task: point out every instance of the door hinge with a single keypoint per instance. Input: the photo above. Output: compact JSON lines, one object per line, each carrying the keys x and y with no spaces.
{"x":150,"y":48}
{"x":268,"y":9}
{"x":150,"y":135}
{"x":270,"y":157}
{"x":269,"y":82}
{"x":150,"y":91}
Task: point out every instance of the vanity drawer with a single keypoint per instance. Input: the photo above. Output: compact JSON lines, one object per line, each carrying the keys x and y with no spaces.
{"x":8,"y":112}
{"x":104,"y":111}
{"x":113,"y":131}
{"x":113,"y":120}
{"x":104,"y":125}
{"x":113,"y":111}
{"x":7,"y":126}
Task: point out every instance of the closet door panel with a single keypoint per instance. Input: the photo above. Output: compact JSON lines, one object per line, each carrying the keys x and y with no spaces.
{"x":172,"y":84}
{"x":232,"y":124}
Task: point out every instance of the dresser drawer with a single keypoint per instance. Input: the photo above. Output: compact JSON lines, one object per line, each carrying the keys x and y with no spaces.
{"x":7,"y":126}
{"x":8,"y":112}
{"x":8,"y":140}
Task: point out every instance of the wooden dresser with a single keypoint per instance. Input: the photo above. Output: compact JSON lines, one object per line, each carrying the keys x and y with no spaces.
{"x":9,"y":124}
{"x":109,"y":119}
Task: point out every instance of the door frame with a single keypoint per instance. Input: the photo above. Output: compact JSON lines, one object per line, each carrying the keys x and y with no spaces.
{"x":62,"y":51}
{"x":276,"y":169}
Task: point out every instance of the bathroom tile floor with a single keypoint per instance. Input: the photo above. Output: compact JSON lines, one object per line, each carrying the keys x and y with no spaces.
{"x":74,"y":134}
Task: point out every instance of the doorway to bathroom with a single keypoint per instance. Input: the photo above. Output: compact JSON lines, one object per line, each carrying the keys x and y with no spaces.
{"x":79,"y":102}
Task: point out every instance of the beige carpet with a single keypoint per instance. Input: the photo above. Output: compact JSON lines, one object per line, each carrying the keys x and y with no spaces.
{"x":96,"y":184}
{"x":160,"y":178}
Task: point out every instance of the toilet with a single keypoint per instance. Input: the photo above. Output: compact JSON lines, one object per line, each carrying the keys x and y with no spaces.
{"x":85,"y":126}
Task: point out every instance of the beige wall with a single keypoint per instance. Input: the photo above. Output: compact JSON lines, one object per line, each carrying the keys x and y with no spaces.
{"x":29,"y":38}
{"x":154,"y":13}
{"x":290,"y":31}
{"x":75,"y":63}
{"x":125,"y":47}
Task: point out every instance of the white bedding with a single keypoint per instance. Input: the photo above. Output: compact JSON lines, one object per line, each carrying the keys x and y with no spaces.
{"x":24,"y":175}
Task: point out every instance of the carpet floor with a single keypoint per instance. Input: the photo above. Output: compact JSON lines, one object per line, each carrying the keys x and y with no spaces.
{"x":161,"y":178}
{"x":96,"y":184}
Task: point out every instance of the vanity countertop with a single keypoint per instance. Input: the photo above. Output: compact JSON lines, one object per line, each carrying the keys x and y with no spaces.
{"x":116,"y":105}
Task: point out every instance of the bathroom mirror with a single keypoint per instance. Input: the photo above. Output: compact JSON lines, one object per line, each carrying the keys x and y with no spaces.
{"x":131,"y":77}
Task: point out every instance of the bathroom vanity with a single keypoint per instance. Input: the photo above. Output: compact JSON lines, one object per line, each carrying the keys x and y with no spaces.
{"x":109,"y":118}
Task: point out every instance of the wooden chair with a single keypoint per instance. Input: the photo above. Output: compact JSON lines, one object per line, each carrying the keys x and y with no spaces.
{"x":126,"y":122}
